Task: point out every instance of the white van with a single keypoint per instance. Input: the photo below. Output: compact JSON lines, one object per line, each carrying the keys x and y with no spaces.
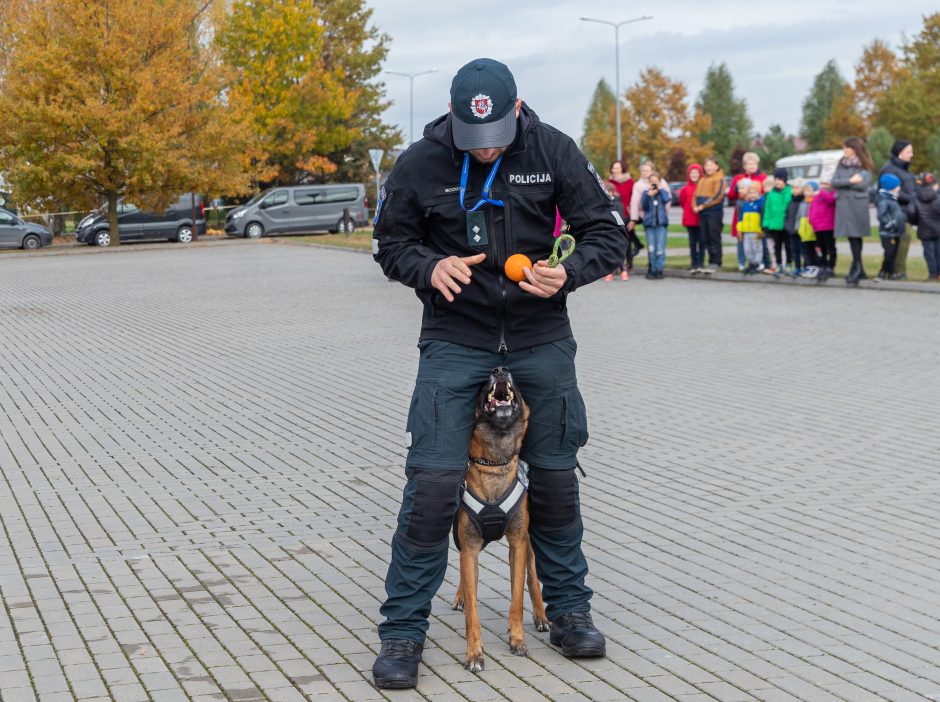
{"x":815,"y":165}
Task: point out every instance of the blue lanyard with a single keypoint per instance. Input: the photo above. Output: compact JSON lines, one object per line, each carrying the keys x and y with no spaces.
{"x":485,"y":200}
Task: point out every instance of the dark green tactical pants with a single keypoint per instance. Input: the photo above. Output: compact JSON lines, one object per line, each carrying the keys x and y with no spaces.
{"x":440,"y":422}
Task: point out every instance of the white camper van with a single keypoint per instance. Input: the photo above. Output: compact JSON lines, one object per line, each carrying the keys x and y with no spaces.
{"x":815,"y":165}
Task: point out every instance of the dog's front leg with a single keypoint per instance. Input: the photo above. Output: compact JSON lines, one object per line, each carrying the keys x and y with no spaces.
{"x":535,"y":590}
{"x":469,"y":567}
{"x":517,"y":572}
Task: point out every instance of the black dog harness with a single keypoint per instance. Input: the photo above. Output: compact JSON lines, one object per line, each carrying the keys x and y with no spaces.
{"x":492,"y":518}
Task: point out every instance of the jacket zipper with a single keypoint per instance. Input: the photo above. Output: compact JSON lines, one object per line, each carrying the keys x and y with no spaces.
{"x":503,"y":295}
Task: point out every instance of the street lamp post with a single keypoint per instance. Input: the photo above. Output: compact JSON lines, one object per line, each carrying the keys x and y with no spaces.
{"x":411,"y":78}
{"x":617,"y":26}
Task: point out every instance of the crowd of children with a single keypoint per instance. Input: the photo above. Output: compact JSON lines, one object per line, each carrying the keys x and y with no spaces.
{"x":783,"y":226}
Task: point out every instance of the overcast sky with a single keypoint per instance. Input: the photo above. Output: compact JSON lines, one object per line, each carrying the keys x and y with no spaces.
{"x":773,"y":49}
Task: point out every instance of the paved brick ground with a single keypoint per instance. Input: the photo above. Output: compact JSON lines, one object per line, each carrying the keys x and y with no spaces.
{"x":201,"y":460}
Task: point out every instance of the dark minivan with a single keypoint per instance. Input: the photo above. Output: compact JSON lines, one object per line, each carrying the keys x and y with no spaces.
{"x":174,"y":224}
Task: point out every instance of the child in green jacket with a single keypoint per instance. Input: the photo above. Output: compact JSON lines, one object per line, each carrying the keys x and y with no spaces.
{"x":775,"y":213}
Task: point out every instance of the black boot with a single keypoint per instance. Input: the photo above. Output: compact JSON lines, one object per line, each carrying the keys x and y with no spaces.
{"x":852,"y":277}
{"x":397,"y":664}
{"x":577,"y":636}
{"x":861,"y":271}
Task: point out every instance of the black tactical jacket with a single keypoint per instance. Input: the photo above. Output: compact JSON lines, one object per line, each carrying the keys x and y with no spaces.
{"x":420,"y":221}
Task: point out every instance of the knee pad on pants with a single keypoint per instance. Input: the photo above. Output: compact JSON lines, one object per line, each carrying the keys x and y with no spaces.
{"x":435,"y":495}
{"x":553,"y":499}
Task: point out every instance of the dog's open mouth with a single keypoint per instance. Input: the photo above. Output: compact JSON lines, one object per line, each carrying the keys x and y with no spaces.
{"x":500,"y":395}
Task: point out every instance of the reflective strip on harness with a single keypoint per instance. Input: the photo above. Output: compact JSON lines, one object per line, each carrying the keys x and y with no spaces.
{"x":473,"y":503}
{"x":510,"y":502}
{"x":491,"y":518}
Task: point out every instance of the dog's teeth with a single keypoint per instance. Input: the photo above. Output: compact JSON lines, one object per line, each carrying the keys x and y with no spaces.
{"x":510,"y":396}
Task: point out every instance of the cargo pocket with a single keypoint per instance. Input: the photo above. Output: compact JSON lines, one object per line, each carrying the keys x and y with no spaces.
{"x":421,"y":435}
{"x":574,"y":430}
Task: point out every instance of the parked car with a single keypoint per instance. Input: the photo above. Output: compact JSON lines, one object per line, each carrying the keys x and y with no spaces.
{"x":16,"y":233}
{"x":299,"y":209}
{"x":134,"y":224}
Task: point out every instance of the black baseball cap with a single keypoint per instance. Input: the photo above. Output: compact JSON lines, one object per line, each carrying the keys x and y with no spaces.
{"x":483,"y":105}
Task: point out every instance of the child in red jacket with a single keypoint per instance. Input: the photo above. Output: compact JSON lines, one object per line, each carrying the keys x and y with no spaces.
{"x":690,"y":219}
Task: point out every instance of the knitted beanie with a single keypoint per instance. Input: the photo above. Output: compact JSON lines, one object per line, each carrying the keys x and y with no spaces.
{"x":899,"y":146}
{"x":889,"y":181}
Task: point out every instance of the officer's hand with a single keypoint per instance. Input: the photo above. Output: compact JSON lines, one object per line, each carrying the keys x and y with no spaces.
{"x":630,"y":225}
{"x":542,"y":280}
{"x":449,"y":270}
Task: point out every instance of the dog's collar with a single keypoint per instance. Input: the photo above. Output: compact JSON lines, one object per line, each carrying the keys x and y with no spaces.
{"x":484,"y":462}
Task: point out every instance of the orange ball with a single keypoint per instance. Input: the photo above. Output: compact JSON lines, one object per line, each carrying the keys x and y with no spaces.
{"x":514,"y":266}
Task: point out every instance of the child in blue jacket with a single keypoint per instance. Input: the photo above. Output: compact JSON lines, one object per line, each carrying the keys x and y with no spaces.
{"x":891,"y":222}
{"x":655,"y":206}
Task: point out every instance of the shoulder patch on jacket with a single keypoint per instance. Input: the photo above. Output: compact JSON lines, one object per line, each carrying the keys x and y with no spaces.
{"x":597,"y":178}
{"x":378,"y":206}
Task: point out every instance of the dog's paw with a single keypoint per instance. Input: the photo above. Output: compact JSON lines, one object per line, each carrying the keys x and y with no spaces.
{"x":519,"y":649}
{"x":475,"y":663}
{"x":458,"y":604}
{"x":541,"y":623}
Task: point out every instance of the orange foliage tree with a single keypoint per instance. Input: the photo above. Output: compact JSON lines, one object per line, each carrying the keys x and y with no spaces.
{"x":911,"y":109}
{"x":657,"y":121}
{"x":855,"y":110}
{"x":104,"y":99}
{"x":297,"y":107}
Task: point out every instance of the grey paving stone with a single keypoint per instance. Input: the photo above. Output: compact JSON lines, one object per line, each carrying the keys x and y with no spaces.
{"x":200,"y":481}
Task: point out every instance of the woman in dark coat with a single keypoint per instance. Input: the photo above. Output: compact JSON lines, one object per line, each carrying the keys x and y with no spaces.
{"x":851,"y":182}
{"x":899,"y":163}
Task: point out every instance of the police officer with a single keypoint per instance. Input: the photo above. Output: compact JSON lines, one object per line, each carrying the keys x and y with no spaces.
{"x":481,"y":185}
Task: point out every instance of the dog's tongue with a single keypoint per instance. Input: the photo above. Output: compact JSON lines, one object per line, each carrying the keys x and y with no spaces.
{"x":501,"y":395}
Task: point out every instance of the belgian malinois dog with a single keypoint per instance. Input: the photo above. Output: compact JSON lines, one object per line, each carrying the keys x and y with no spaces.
{"x":495,"y":503}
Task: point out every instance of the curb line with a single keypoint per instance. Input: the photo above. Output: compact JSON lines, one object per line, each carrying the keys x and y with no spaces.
{"x":832,"y":283}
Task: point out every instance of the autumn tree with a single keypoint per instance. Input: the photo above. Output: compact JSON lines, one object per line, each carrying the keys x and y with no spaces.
{"x":827,"y":87}
{"x":11,"y":25}
{"x":911,"y":109}
{"x":773,"y":146}
{"x":876,"y":73}
{"x":730,"y":123}
{"x":855,"y":109}
{"x":657,"y":121}
{"x":599,"y":142}
{"x":879,"y":145}
{"x":933,"y":152}
{"x":355,"y":49}
{"x":104,"y":99}
{"x":296,"y":103}
{"x":844,"y":120}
